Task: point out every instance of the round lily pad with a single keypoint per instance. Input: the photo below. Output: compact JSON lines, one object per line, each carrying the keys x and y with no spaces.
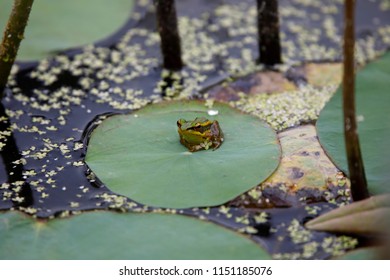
{"x":107,"y":235}
{"x":372,"y":105}
{"x":56,"y":25}
{"x":140,"y":156}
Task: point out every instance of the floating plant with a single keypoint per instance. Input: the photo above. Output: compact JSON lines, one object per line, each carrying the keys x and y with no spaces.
{"x":372,"y":101}
{"x":47,"y":108}
{"x":105,"y":235}
{"x":139,"y":155}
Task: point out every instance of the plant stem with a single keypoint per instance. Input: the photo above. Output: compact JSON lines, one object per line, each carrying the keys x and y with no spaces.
{"x":13,"y":34}
{"x":268,"y":32}
{"x":169,"y":34}
{"x":355,"y":162}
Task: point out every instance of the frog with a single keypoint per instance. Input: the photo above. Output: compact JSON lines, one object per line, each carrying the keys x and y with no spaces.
{"x":200,"y":134}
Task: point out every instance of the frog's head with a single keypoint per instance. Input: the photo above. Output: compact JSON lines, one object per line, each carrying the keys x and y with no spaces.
{"x":199,"y":124}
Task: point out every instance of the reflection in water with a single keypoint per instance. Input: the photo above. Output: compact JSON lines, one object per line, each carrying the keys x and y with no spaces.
{"x":21,"y":191}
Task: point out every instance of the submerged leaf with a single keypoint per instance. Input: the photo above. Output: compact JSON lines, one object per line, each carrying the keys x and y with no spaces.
{"x":304,"y":163}
{"x":324,"y":74}
{"x":140,"y":156}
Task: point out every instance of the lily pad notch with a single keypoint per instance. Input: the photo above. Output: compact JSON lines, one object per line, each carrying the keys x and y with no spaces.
{"x":139,"y":155}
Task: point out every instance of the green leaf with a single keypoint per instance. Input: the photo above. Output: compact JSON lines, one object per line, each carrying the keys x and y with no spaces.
{"x":371,"y":253}
{"x":140,"y":156}
{"x":56,"y":25}
{"x":363,"y":222}
{"x":107,"y":235}
{"x":373,"y":101}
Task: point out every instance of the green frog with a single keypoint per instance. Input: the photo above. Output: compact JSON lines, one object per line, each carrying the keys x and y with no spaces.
{"x":200,"y":134}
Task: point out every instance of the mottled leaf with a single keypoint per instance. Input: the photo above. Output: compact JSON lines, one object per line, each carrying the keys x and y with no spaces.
{"x":371,"y":203}
{"x":303,"y":163}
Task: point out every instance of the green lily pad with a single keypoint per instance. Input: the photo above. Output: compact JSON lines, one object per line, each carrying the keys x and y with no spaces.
{"x":362,"y":254}
{"x":107,"y":235}
{"x":140,"y":156}
{"x":372,"y":104}
{"x":56,"y":25}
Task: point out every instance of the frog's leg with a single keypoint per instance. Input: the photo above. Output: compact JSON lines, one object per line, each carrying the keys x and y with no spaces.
{"x":217,"y":135}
